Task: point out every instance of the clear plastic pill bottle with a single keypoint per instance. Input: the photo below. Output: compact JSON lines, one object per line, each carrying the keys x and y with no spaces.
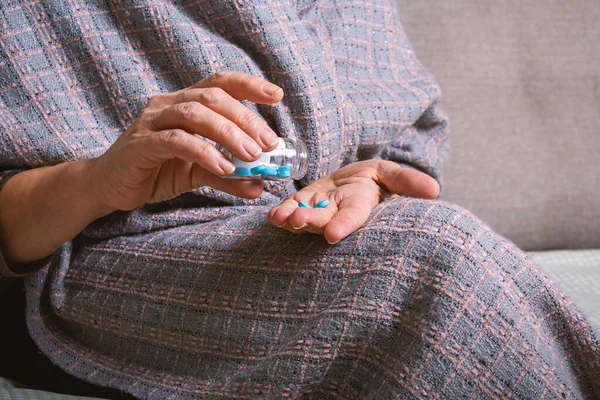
{"x":288,"y":160}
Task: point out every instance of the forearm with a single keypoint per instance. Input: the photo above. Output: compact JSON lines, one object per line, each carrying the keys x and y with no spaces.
{"x":157,"y":158}
{"x":43,"y":208}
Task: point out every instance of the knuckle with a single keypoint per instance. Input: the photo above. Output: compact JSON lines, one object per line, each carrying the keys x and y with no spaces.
{"x":213,"y":95}
{"x":227,"y":130}
{"x":220,"y":76}
{"x":189,"y":111}
{"x":250,"y":80}
{"x":173,"y":136}
{"x":248,"y":118}
{"x":203,"y":151}
{"x":180,"y":96}
{"x":215,"y":79}
{"x":153,"y":101}
{"x":146,"y":115}
{"x":156,"y":100}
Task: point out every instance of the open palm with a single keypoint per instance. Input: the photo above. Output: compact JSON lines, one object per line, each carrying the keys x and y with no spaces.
{"x":352,"y":191}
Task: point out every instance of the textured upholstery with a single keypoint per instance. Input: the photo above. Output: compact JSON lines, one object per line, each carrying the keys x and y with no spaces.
{"x":577,"y":272}
{"x":521,"y":83}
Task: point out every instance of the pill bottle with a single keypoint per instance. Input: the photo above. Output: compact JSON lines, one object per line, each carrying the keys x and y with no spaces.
{"x":288,"y":160}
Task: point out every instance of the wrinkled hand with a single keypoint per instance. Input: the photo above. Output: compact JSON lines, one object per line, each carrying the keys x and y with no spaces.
{"x":353,"y":191}
{"x":163,"y":154}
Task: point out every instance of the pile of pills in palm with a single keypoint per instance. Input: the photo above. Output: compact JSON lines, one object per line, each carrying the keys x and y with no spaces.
{"x":287,"y":160}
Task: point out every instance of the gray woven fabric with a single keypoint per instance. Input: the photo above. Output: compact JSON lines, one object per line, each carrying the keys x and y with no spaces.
{"x":199,"y":297}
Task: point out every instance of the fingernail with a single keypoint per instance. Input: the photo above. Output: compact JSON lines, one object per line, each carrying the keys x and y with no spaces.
{"x":282,"y":225}
{"x":226,"y":165}
{"x":251,"y":147}
{"x":268,"y":137}
{"x":300,"y":227}
{"x":271,"y":89}
{"x":333,"y":242}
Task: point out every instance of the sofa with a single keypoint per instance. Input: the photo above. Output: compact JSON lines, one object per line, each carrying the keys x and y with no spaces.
{"x":521,"y":84}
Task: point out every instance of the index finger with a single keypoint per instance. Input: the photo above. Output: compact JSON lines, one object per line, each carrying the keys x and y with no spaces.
{"x":243,"y":86}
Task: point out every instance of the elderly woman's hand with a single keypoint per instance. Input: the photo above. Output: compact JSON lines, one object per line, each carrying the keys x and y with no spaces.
{"x":353,"y":191}
{"x":159,"y":157}
{"x":163,"y":154}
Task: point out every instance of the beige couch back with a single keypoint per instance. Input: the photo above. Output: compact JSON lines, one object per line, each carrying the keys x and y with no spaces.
{"x":521,"y":83}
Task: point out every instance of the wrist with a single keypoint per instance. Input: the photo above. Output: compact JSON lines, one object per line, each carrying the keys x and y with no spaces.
{"x":85,"y":175}
{"x":47,"y":206}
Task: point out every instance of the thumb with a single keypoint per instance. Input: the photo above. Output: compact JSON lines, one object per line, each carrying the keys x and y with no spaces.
{"x":406,"y":181}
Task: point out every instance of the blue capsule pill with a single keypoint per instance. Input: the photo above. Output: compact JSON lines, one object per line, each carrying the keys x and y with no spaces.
{"x":283,"y":174}
{"x":322,"y":204}
{"x":285,"y":168}
{"x":258,"y":170}
{"x":304,"y":204}
{"x":241,"y":171}
{"x":269,"y":171}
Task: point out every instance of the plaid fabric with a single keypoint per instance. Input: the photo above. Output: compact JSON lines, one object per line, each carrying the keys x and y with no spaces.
{"x":199,"y":297}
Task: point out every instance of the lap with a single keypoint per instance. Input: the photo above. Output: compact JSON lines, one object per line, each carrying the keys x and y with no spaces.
{"x":422,"y":291}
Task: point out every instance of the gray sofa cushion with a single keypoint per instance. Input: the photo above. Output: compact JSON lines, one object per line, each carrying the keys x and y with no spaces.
{"x":10,"y":391}
{"x":577,"y":273}
{"x":521,"y":83}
